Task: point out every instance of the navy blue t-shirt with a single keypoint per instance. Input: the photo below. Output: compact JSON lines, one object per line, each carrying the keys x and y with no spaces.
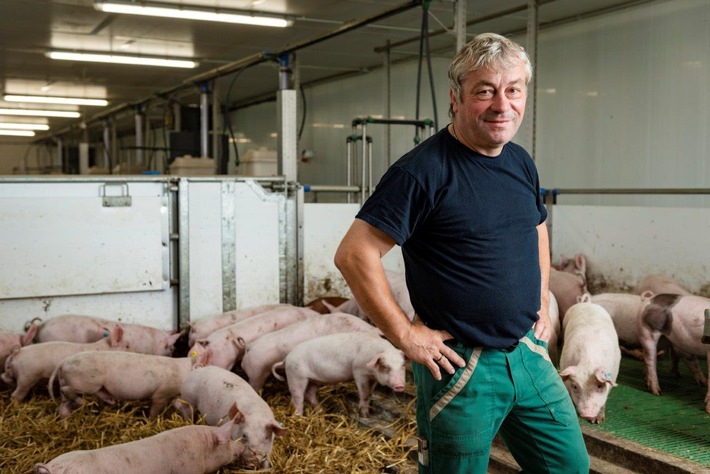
{"x":467,"y":227}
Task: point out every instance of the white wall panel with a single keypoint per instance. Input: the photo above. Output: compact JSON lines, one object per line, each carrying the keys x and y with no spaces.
{"x":324,"y":226}
{"x":205,"y":244}
{"x":623,"y":101}
{"x":60,"y":239}
{"x":622,"y":243}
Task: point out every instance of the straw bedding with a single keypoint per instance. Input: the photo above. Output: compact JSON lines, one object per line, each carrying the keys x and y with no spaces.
{"x":328,"y":440}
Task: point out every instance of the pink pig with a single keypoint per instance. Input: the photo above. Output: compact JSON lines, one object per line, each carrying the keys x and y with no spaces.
{"x":590,"y":358}
{"x":659,"y":283}
{"x":211,"y":391}
{"x":680,"y":318}
{"x":191,"y":449}
{"x":569,"y":283}
{"x":35,"y":362}
{"x":115,"y":376}
{"x":12,"y":341}
{"x":271,"y":348}
{"x":365,"y":358}
{"x":228,"y":343}
{"x":202,"y":328}
{"x":78,"y":328}
{"x":398,"y":286}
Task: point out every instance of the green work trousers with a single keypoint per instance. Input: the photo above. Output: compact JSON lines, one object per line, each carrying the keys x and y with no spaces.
{"x":515,"y":392}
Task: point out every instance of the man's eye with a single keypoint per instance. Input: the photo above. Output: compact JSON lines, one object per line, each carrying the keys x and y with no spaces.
{"x":484,"y":94}
{"x":514,"y":93}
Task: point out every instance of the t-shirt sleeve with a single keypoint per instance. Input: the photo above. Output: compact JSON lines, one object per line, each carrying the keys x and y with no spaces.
{"x":397,"y":206}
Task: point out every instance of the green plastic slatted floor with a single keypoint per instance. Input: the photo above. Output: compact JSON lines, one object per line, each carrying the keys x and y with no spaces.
{"x":675,"y":422}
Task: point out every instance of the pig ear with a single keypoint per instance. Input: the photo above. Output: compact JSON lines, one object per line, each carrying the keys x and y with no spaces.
{"x":647,"y":295}
{"x":223,"y":434}
{"x":172,"y":339}
{"x":330,"y":307}
{"x":375,"y":360}
{"x":30,"y":335}
{"x":568,"y":372}
{"x":235,"y":415}
{"x":277,"y":429}
{"x":604,"y":376}
{"x":580,"y":261}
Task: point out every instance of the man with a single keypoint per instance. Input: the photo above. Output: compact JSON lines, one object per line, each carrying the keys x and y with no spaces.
{"x":465,"y":208}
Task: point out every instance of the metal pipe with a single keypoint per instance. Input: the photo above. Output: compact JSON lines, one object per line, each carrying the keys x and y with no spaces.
{"x":107,"y":144}
{"x":139,"y":137}
{"x":363,"y":164}
{"x":204,"y":120}
{"x":252,"y":60}
{"x":532,"y":86}
{"x":349,"y":143}
{"x":460,"y":24}
{"x":314,"y":188}
{"x":632,"y":191}
{"x":60,"y":154}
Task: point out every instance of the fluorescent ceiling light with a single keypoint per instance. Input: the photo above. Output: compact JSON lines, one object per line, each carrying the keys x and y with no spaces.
{"x":55,"y":100}
{"x":121,"y":59}
{"x":17,"y":133}
{"x":40,"y":113}
{"x":23,"y":126}
{"x":192,"y":13}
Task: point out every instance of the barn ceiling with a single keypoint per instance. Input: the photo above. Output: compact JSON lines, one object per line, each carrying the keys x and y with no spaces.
{"x":323,"y":37}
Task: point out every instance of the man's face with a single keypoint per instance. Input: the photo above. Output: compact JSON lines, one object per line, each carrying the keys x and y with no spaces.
{"x":492,"y":108}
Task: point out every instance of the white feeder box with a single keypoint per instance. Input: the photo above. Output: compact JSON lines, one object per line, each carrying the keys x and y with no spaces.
{"x":259,"y":162}
{"x":191,"y":166}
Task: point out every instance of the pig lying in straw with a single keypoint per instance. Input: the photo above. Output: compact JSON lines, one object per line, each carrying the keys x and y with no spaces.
{"x":590,"y":358}
{"x":228,"y":344}
{"x":211,"y":391}
{"x":271,"y":348}
{"x":33,"y":363}
{"x":186,"y":450}
{"x":113,"y":376}
{"x":78,"y":328}
{"x":365,"y":358}
{"x":681,"y":319}
{"x":202,"y":328}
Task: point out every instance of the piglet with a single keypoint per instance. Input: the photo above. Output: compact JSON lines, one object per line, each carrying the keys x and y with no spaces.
{"x":658,"y":283}
{"x":398,"y":286}
{"x":79,"y":328}
{"x":36,"y":362}
{"x":195,"y":449}
{"x":228,"y":344}
{"x":366,"y":358}
{"x":567,"y":286}
{"x":271,"y":348}
{"x":625,"y":310}
{"x":680,"y":318}
{"x":115,"y":376}
{"x":10,"y":342}
{"x":590,"y":358}
{"x":211,"y":391}
{"x":202,"y":328}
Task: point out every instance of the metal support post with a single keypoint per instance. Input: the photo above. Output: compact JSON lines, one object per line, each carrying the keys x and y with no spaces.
{"x":204,"y":121}
{"x":460,"y":24}
{"x":139,"y":137}
{"x":532,"y":86}
{"x":107,"y":145}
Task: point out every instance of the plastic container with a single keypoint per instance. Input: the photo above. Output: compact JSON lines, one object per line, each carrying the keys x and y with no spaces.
{"x":190,"y":166}
{"x":260,"y":162}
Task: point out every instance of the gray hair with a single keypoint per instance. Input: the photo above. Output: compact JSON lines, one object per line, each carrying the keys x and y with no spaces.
{"x":486,"y":49}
